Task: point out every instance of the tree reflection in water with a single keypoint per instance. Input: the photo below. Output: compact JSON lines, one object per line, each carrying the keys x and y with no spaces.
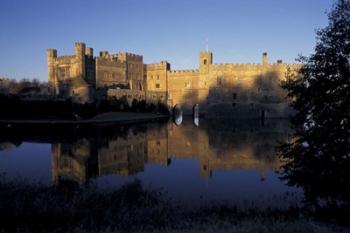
{"x":324,"y":179}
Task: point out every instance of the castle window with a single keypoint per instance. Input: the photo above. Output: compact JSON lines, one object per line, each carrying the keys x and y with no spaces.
{"x":64,"y":72}
{"x":234,"y":96}
{"x":205,"y":61}
{"x":157,"y":77}
{"x":219,"y":81}
{"x":157,"y":85}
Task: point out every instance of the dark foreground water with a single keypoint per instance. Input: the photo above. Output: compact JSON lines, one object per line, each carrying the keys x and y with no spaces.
{"x":209,"y":161}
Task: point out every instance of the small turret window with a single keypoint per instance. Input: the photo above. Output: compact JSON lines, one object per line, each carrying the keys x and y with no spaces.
{"x":205,"y":61}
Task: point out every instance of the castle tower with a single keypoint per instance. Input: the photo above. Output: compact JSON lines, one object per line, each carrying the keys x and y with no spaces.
{"x":264,"y":59}
{"x":205,"y":60}
{"x":89,"y":52}
{"x":80,"y":49}
{"x":51,"y":57}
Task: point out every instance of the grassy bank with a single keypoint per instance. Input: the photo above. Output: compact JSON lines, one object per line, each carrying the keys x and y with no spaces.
{"x":68,"y":207}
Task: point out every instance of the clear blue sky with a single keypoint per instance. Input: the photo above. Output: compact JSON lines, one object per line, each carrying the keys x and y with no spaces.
{"x":173,"y":30}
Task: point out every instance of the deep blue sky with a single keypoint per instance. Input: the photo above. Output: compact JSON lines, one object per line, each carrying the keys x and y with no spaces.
{"x":175,"y":30}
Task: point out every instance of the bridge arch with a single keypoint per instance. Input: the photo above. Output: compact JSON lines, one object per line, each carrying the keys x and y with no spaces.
{"x":195,"y":110}
{"x":195,"y":114}
{"x":177,"y":114}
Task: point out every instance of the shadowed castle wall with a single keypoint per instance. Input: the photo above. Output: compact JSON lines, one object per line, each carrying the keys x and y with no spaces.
{"x":129,"y":95}
{"x":134,"y":70}
{"x":231,"y":90}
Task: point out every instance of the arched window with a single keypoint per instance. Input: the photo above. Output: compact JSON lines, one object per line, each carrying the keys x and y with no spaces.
{"x":205,"y":61}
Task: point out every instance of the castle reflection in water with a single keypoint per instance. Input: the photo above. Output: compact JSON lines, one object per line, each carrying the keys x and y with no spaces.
{"x":125,"y":150}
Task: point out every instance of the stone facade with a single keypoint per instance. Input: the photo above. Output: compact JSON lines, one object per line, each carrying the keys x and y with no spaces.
{"x":225,"y":90}
{"x":72,"y":76}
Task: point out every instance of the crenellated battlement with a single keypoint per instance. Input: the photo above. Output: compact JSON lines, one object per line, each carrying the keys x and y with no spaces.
{"x":52,"y":53}
{"x":109,"y":61}
{"x":293,"y":65}
{"x":250,"y":66}
{"x":158,"y":66}
{"x":124,"y":56}
{"x":195,"y":71}
{"x":65,"y":57}
{"x":107,"y":56}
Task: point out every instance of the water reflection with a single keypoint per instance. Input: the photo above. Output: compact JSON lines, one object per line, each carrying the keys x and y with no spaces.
{"x":217,"y":145}
{"x":85,"y":153}
{"x":196,"y":121}
{"x":177,"y":115}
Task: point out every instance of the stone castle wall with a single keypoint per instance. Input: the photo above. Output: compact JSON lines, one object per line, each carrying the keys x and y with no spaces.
{"x":130,"y":95}
{"x":72,"y":76}
{"x":110,"y":71}
{"x":220,"y":90}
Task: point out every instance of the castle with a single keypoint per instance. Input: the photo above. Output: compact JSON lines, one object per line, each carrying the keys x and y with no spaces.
{"x":225,"y":90}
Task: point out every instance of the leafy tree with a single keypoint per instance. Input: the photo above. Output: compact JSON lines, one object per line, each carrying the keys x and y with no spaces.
{"x":318,"y":156}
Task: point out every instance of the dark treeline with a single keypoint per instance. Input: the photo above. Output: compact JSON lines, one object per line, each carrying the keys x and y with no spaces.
{"x":15,"y":107}
{"x":23,"y":87}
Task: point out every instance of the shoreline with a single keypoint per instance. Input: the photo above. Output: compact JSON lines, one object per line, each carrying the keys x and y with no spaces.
{"x":110,"y":117}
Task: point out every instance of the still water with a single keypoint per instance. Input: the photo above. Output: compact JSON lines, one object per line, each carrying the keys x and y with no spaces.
{"x":205,"y":160}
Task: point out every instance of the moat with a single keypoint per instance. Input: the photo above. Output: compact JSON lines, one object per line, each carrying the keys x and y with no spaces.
{"x":191,"y":160}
